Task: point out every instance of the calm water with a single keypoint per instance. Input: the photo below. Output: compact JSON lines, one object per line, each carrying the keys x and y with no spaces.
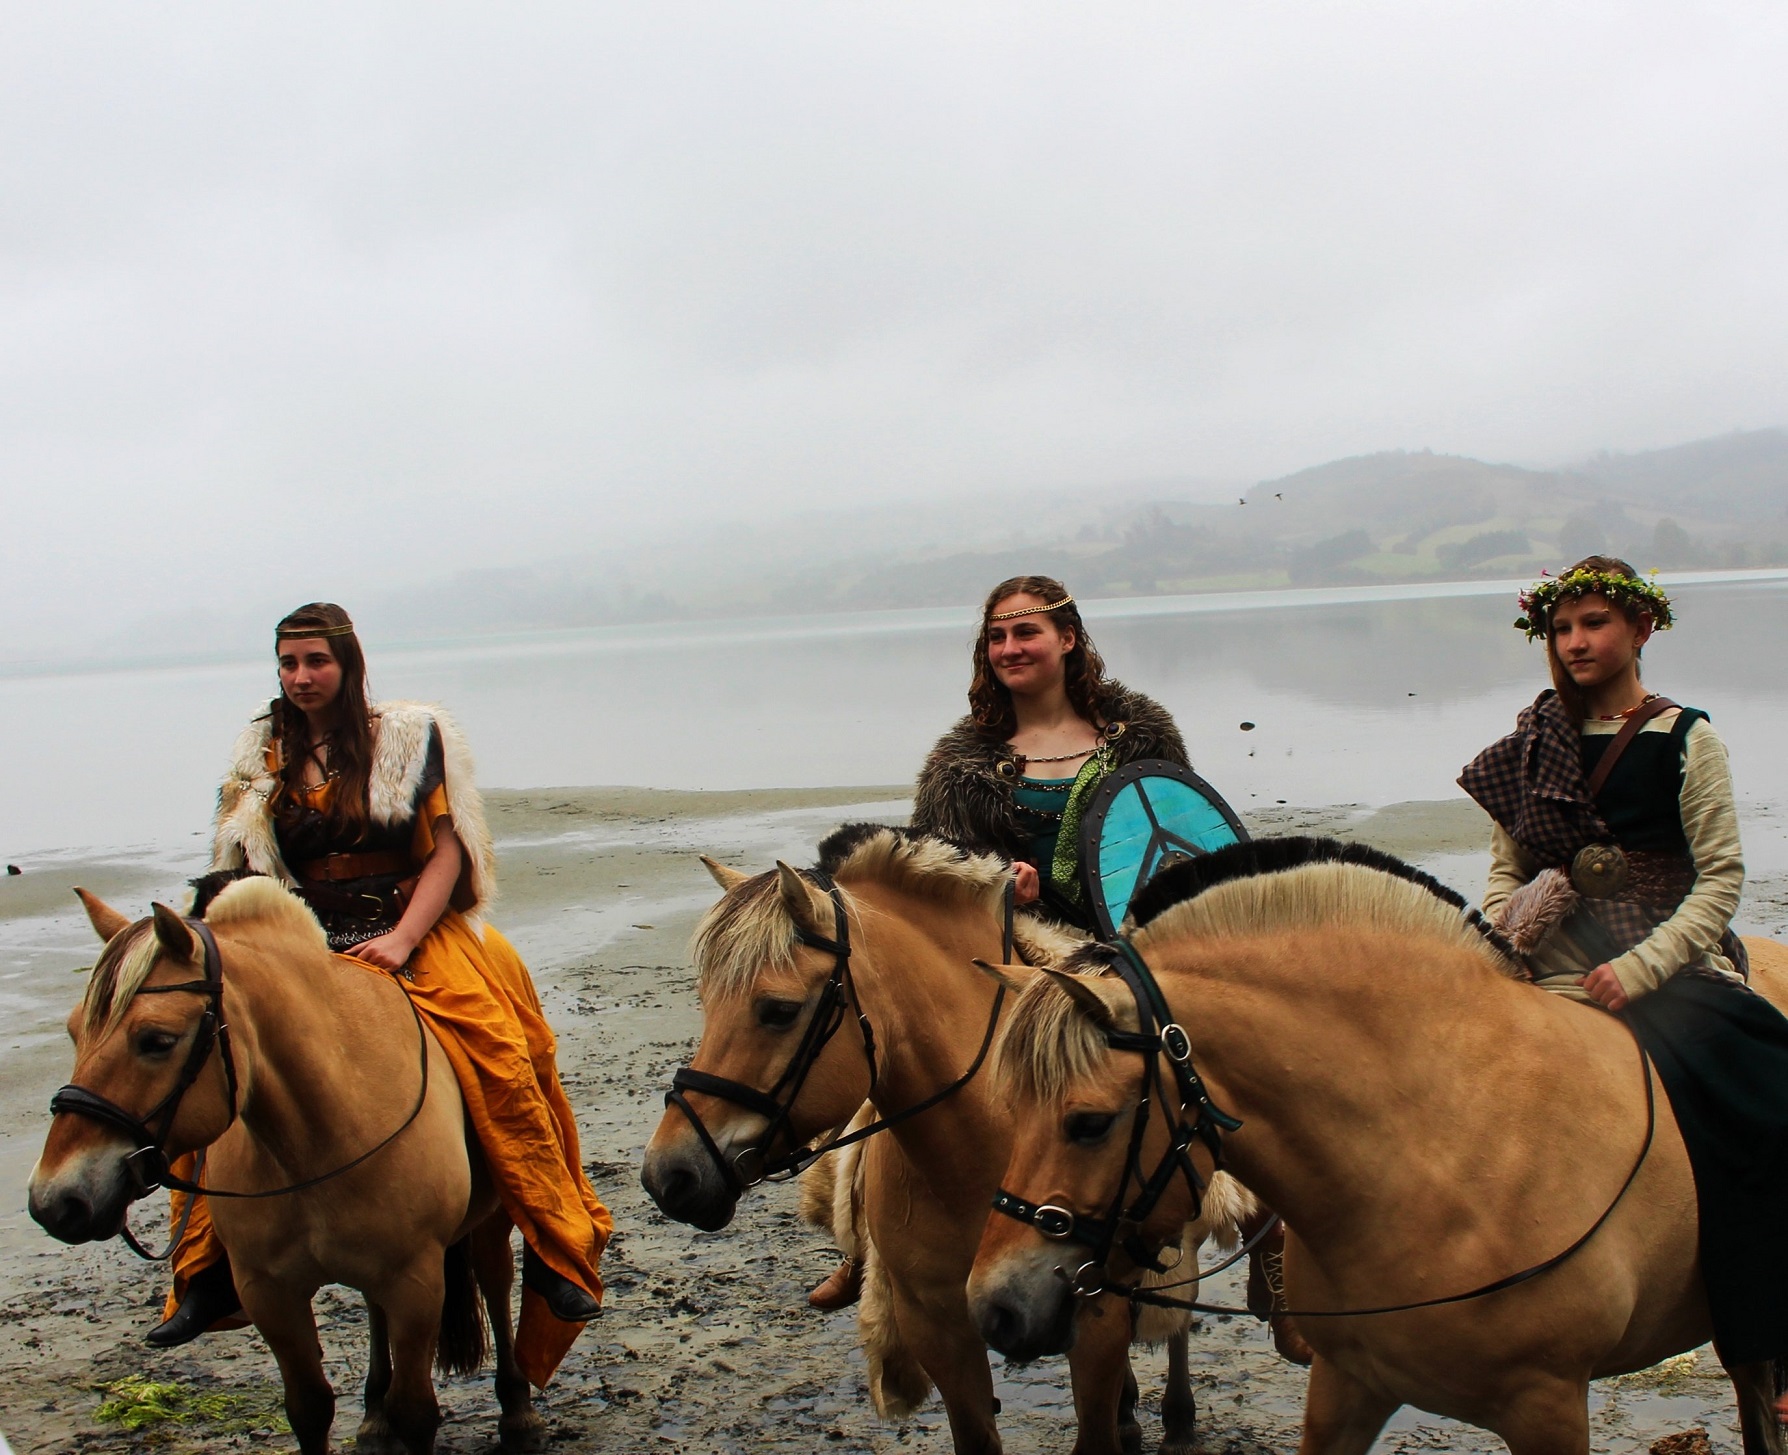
{"x":1358,"y":697}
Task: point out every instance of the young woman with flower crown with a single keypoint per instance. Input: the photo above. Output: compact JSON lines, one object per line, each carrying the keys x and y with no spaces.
{"x":368,"y":812}
{"x":1616,"y":871}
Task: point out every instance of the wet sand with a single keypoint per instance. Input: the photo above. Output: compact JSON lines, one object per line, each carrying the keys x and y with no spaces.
{"x":706,"y":1343}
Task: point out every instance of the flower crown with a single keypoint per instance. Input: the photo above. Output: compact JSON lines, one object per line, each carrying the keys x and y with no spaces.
{"x":1538,"y":600}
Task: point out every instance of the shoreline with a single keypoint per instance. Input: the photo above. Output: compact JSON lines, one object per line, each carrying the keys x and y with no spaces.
{"x":706,"y":1342}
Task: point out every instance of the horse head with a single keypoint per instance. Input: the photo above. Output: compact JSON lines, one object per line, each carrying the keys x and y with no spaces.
{"x":139,"y":1079}
{"x":770,"y":1074}
{"x":1075,"y":1156}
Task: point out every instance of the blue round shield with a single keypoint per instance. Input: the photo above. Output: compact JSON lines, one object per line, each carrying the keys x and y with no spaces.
{"x":1144,"y":815}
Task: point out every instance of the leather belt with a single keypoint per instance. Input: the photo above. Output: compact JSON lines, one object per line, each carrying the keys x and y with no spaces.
{"x":334,"y":867}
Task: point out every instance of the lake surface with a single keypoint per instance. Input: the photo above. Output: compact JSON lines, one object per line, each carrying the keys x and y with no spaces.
{"x":1358,"y":696}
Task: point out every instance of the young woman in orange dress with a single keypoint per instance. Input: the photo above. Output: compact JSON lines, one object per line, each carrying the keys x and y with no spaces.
{"x":369,"y":813}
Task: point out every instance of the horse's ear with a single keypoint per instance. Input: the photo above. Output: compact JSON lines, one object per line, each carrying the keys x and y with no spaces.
{"x":727,"y":879}
{"x":106,"y":921}
{"x":175,"y":934}
{"x":1084,"y":991}
{"x":1013,"y":977}
{"x":797,"y":899}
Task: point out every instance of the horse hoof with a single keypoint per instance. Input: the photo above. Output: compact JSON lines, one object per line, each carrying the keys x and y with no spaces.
{"x":1130,"y":1438}
{"x":374,"y":1437}
{"x":522,"y":1434}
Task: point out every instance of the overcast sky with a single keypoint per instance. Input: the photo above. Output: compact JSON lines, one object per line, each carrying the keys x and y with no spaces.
{"x":288,"y":292}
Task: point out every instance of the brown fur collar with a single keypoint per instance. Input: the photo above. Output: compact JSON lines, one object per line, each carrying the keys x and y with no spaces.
{"x":242,"y":836}
{"x":962,"y":797}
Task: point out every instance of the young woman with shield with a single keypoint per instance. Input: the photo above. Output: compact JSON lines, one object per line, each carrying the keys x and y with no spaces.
{"x":369,"y":814}
{"x":1616,"y":871}
{"x":1045,"y":727}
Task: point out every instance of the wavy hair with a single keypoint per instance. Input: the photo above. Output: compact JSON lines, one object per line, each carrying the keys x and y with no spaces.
{"x":990,"y":700}
{"x":350,"y":741}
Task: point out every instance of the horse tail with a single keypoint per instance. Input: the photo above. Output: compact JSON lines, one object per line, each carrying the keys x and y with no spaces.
{"x":898,"y":1383}
{"x":461,"y":1348}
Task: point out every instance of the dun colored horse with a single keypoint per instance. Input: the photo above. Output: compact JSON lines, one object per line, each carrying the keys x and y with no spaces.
{"x":1426,"y":1123}
{"x":322,"y":1058}
{"x":876,"y":947}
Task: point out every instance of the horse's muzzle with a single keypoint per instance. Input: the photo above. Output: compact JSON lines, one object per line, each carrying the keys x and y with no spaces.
{"x":84,"y":1201}
{"x":688,"y":1188}
{"x":1024,"y":1317}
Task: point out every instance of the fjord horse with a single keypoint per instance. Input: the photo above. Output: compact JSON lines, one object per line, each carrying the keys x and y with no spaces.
{"x":910,"y":914}
{"x":1426,"y":1123}
{"x":322,"y":1058}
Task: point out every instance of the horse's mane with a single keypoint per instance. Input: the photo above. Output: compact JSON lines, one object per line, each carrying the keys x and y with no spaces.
{"x":750,"y":929}
{"x":1048,"y":1044}
{"x":225,"y":897}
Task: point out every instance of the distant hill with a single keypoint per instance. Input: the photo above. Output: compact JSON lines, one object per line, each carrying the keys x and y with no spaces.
{"x":1389,"y":517}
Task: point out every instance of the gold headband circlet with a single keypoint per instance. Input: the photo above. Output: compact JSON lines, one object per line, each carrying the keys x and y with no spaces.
{"x":1032,"y":610}
{"x":300,"y":633}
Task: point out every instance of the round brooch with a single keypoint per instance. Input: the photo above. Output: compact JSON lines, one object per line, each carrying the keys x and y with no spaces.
{"x":1599,"y":871}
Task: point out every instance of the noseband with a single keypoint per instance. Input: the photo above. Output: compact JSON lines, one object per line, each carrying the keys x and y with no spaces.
{"x":148,"y":1164}
{"x":757,"y":1163}
{"x":1190,"y":1116}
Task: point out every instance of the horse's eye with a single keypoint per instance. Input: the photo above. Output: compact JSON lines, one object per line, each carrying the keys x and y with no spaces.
{"x":778,"y":1015}
{"x":1089,"y":1128}
{"x":156,"y":1043}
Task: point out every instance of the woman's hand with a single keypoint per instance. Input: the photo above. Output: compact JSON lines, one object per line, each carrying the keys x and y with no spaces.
{"x":389,"y":951}
{"x":1025,"y":886}
{"x":1603,"y":986}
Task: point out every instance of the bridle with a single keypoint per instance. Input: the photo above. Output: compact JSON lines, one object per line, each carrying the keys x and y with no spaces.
{"x":1160,"y":1036}
{"x":1190,"y":1116}
{"x":838,"y":997}
{"x":148,"y":1165}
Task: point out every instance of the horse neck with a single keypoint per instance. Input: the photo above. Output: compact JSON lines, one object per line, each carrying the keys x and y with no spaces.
{"x":929,"y":1008}
{"x":1333,"y":1047}
{"x":307,"y":1033}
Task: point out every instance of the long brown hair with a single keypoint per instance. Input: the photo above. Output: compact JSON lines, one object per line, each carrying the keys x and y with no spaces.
{"x":351,"y":740}
{"x":990,"y":700}
{"x":1576,"y":703}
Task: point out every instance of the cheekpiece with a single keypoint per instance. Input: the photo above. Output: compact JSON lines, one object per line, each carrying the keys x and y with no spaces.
{"x":1538,"y":600}
{"x":1032,"y":610}
{"x":299,"y":633}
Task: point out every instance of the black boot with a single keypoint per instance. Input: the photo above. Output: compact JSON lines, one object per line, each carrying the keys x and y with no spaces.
{"x":564,"y":1299}
{"x":210,"y":1296}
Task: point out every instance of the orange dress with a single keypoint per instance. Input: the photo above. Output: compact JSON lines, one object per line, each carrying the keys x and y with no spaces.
{"x":473,"y":991}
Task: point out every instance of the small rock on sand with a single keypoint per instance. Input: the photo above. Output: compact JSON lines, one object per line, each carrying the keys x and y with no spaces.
{"x":1689,"y":1442}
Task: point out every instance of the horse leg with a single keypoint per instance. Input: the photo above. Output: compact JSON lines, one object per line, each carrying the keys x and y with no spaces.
{"x":413,"y":1315}
{"x":1129,"y":1427}
{"x":951,"y":1351}
{"x":521,"y":1429}
{"x":1341,"y":1416}
{"x":1758,"y":1422}
{"x":290,"y":1329}
{"x":1550,"y":1418}
{"x":1179,"y":1406}
{"x":374,"y":1436}
{"x":1099,"y":1366}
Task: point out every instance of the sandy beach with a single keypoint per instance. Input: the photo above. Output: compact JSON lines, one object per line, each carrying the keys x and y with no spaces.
{"x":706,"y":1343}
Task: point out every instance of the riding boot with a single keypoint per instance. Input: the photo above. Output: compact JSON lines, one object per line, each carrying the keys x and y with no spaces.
{"x":210,"y":1296}
{"x":564,"y":1299}
{"x":842,"y":1288}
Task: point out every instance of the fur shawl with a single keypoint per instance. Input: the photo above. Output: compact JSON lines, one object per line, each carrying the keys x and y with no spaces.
{"x":242,"y":834}
{"x":962,"y":796}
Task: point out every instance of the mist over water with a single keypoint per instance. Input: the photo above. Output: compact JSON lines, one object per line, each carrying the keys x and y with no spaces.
{"x":1353,"y":700}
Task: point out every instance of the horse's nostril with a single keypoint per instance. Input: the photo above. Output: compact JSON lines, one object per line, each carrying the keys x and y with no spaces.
{"x":67,"y":1215}
{"x":999,"y":1325}
{"x":678,"y":1187}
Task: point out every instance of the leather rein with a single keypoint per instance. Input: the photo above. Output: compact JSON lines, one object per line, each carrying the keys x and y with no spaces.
{"x":757,"y":1162}
{"x":148,"y":1166}
{"x":1159,"y":1036}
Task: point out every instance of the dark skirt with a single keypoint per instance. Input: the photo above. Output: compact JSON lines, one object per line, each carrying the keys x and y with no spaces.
{"x":1722,"y":1053}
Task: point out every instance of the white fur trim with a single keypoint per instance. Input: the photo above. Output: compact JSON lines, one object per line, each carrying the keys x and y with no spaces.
{"x":243,"y":831}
